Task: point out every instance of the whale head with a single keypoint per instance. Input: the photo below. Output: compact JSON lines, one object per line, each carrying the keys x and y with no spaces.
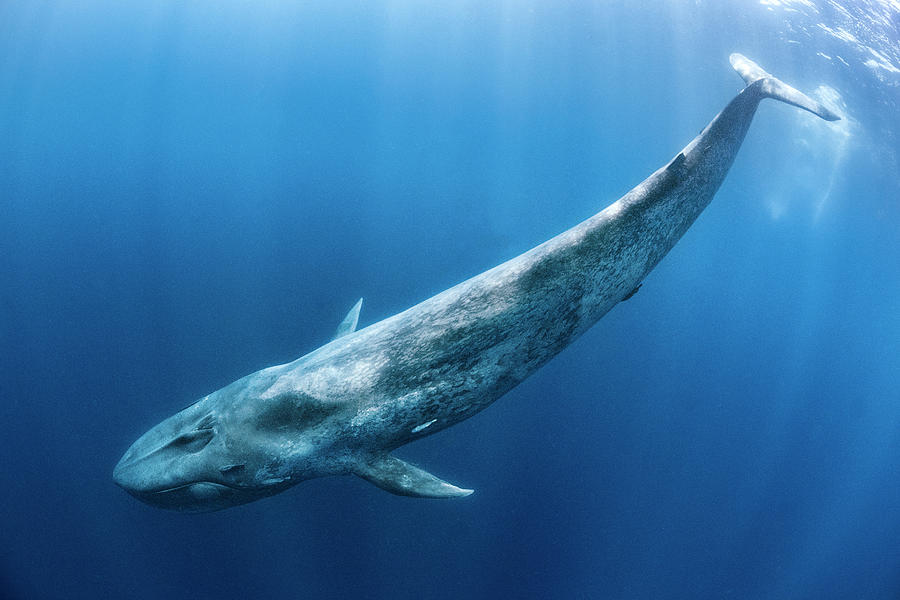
{"x":230,"y":448}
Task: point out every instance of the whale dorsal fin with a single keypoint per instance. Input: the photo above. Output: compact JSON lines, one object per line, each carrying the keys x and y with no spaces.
{"x":348,"y":325}
{"x":631,"y":293}
{"x":401,"y":478}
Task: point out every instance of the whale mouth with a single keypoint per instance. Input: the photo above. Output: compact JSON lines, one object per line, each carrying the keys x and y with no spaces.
{"x":211,"y":484}
{"x":199,"y":496}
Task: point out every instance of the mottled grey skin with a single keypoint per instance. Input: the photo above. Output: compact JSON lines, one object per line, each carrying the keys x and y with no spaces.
{"x":342,"y":408}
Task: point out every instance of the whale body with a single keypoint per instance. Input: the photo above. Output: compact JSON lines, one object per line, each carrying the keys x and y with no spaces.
{"x":344,"y":407}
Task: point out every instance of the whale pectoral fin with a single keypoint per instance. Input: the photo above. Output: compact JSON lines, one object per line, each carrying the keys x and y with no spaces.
{"x":348,"y":325}
{"x":401,"y":478}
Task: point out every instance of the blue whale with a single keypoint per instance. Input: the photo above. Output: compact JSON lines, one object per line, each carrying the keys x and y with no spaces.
{"x":344,"y":407}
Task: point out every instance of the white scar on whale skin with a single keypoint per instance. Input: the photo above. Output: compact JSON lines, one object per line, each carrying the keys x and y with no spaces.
{"x":343,"y":408}
{"x":419,"y":428}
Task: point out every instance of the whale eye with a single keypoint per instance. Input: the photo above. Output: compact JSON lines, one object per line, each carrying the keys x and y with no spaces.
{"x":231,"y":469}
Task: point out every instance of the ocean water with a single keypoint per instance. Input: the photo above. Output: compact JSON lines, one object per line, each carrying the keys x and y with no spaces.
{"x":190,"y":192}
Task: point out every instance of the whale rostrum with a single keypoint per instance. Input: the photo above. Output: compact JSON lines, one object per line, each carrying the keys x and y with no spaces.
{"x":344,"y":407}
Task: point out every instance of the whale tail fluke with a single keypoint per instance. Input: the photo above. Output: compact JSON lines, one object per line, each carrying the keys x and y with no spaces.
{"x":772,"y":87}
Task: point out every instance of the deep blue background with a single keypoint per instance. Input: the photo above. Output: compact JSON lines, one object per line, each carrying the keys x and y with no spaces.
{"x":192,"y":191}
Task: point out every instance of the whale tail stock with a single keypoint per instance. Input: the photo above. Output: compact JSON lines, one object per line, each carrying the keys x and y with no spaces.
{"x":772,"y":87}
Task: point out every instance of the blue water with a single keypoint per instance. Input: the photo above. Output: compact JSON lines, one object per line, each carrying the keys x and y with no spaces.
{"x":190,"y":192}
